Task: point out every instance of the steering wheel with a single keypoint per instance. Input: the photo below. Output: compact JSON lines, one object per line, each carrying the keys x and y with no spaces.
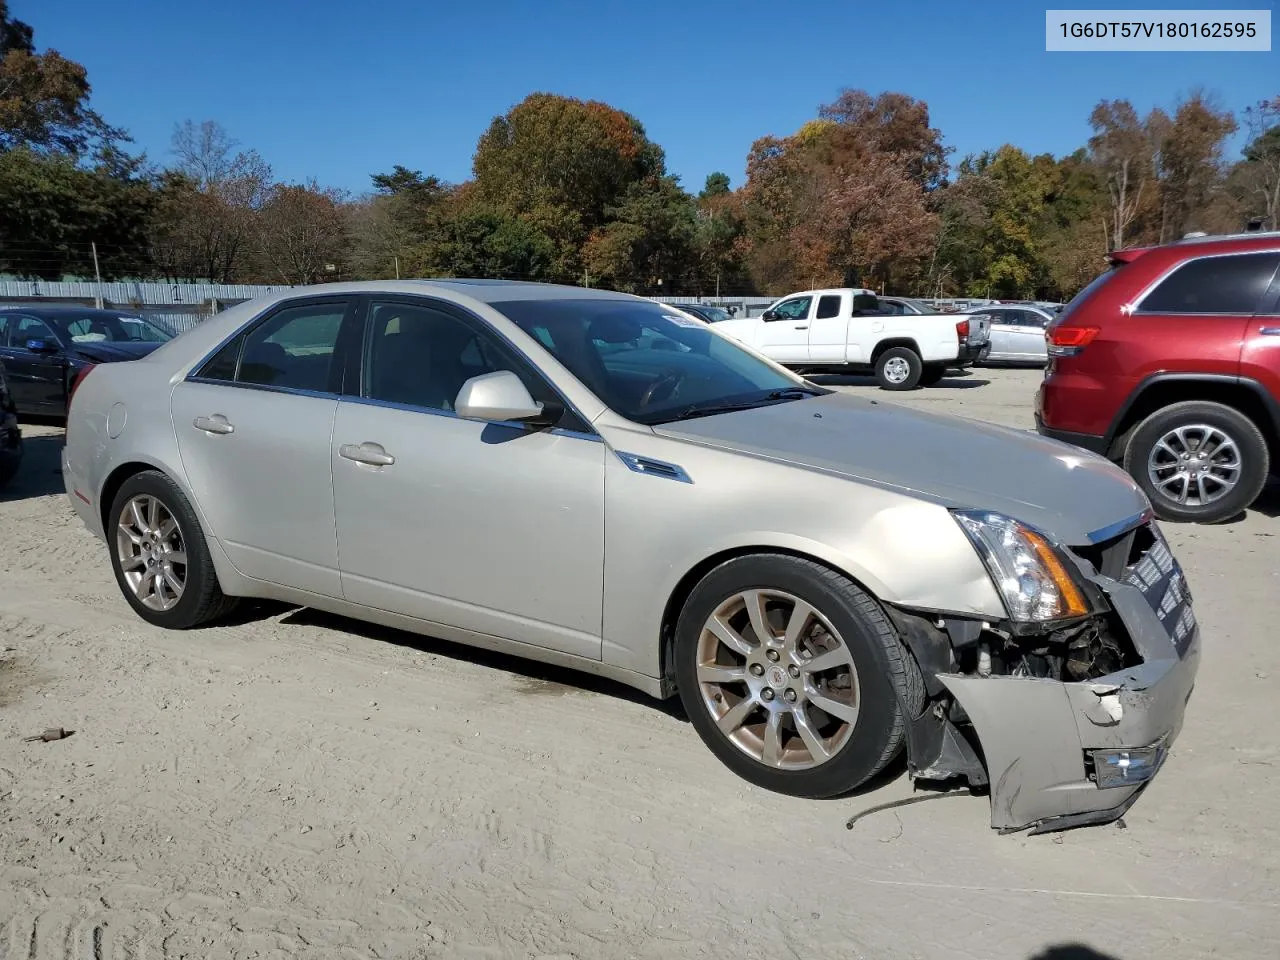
{"x":672,"y":379}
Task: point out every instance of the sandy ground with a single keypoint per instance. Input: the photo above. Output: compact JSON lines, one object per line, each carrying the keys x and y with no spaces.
{"x":294,"y":785}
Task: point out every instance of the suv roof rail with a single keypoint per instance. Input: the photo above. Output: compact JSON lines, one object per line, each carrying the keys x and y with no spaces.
{"x":1199,"y":236}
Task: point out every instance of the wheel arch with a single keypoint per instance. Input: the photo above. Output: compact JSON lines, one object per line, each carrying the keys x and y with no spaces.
{"x":890,"y":342}
{"x":679,"y":596}
{"x":117,"y":479}
{"x":1161,"y":390}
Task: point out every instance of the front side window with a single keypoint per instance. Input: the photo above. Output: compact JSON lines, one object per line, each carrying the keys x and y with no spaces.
{"x":647,"y":363}
{"x":1223,"y":284}
{"x":31,"y":328}
{"x":828,"y":306}
{"x":795,"y":309}
{"x":292,"y":349}
{"x":419,"y":356}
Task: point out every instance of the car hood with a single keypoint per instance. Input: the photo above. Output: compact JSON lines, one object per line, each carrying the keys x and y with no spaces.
{"x":110,"y":351}
{"x":1069,"y":493}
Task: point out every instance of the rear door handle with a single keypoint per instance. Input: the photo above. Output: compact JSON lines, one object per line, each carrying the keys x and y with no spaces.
{"x":371,"y":453}
{"x":214,"y":424}
{"x":1271,"y":331}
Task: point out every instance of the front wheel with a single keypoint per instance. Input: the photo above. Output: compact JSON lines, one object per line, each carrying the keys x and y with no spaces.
{"x":160,"y":557}
{"x":1198,"y":462}
{"x":898,"y":368}
{"x":793,"y":676}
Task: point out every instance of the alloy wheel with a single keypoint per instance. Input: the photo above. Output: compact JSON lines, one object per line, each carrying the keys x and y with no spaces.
{"x":1194,"y":465}
{"x":151,"y":552}
{"x":777,"y":679}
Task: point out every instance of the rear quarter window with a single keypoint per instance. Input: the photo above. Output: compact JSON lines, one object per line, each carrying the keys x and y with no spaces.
{"x":1231,"y":284}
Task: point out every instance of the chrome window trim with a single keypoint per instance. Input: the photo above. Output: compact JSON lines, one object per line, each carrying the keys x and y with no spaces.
{"x":370,"y":402}
{"x":1137,"y":302}
{"x":451,"y":415}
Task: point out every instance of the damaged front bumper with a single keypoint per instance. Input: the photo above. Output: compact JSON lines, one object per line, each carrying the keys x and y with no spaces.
{"x":1060,"y":754}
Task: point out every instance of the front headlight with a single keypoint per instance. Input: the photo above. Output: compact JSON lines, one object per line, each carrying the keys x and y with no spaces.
{"x":1031,"y":578}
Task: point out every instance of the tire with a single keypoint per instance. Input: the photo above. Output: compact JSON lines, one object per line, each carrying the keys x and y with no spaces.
{"x":201,"y":599}
{"x":884,"y":675}
{"x":891,"y":373}
{"x":931,"y":375}
{"x":1147,"y":461}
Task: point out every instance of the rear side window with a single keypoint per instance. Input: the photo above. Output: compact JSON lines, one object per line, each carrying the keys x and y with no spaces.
{"x":292,"y":349}
{"x":828,"y":306}
{"x":1225,"y":284}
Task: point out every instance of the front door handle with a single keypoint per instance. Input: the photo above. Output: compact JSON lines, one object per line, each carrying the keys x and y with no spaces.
{"x":214,"y":424}
{"x":1270,"y":331}
{"x":802,"y":326}
{"x":371,"y":453}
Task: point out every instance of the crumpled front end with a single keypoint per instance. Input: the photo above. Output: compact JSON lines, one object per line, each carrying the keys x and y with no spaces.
{"x":1067,"y":726}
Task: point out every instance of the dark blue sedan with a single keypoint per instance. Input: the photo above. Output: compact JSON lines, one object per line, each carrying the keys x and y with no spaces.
{"x":45,"y":348}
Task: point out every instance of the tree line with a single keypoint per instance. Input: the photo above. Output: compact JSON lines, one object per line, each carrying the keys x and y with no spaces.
{"x":574,"y":191}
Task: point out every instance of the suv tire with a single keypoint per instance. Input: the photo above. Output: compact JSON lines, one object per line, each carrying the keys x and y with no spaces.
{"x":898,"y":368}
{"x":876,"y":671}
{"x":1173,"y":434}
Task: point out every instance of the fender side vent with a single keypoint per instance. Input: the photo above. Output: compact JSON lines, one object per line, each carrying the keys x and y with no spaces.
{"x":654,"y":468}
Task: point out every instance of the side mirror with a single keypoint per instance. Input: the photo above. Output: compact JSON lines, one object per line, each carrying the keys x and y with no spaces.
{"x":42,"y":346}
{"x":498,"y":396}
{"x":769,"y":315}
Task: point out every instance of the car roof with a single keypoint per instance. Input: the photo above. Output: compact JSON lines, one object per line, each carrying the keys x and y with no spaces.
{"x":498,"y":291}
{"x":52,"y":311}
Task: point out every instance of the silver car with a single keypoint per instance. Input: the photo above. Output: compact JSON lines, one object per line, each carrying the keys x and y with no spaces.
{"x":1017,"y":334}
{"x":598,"y":481}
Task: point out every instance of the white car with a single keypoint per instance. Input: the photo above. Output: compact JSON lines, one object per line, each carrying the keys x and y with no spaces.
{"x":847,"y":327}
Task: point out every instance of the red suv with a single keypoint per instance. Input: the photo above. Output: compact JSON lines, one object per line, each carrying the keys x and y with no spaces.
{"x":1170,"y":364}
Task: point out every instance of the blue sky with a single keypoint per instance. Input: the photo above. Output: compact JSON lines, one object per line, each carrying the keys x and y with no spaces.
{"x":339,"y":90}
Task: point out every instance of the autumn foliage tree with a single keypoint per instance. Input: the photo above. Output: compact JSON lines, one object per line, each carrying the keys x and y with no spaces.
{"x":846,"y":192}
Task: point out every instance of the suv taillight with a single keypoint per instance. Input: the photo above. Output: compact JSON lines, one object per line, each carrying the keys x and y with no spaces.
{"x":962,"y":329}
{"x":79,"y":379}
{"x":1069,"y":341}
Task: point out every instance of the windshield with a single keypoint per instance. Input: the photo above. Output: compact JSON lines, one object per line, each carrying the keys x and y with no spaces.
{"x":647,"y":362}
{"x":97,"y":327}
{"x":715,"y":314}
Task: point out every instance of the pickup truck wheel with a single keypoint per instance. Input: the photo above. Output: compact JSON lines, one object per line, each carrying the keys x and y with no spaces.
{"x":932,"y":374}
{"x":898,"y":368}
{"x":793,"y":676}
{"x":1198,"y":462}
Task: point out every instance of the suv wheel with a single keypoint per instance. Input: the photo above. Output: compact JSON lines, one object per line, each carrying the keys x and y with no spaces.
{"x":898,"y":368}
{"x":1198,"y":462}
{"x":793,"y":676}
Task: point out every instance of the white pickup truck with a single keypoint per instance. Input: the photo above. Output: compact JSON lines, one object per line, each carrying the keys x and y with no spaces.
{"x":842,"y":328}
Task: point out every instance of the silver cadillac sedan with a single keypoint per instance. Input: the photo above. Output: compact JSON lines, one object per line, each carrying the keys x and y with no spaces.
{"x":599,"y":481}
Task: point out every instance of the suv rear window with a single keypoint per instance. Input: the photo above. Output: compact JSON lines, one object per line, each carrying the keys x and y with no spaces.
{"x":1234,"y":283}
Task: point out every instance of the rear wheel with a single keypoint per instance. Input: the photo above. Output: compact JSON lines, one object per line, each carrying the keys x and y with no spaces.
{"x":793,"y":676}
{"x":1198,"y":462}
{"x":898,"y":368}
{"x":160,"y":557}
{"x":932,"y":374}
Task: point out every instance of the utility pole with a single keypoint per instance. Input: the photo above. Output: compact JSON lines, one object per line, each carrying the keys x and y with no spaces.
{"x":717,"y":283}
{"x":97,"y":300}
{"x":397,"y":268}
